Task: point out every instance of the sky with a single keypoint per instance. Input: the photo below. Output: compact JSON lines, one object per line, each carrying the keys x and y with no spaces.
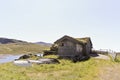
{"x":49,"y":20}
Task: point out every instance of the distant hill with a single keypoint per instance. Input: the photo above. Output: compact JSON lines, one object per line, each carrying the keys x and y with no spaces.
{"x":7,"y":41}
{"x":43,"y":43}
{"x":13,"y":46}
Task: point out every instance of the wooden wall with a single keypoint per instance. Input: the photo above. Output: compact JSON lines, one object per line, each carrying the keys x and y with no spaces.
{"x":68,"y":48}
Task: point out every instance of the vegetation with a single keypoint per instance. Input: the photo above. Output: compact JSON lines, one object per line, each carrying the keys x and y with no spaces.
{"x":92,"y":69}
{"x":20,"y":48}
{"x":117,"y":59}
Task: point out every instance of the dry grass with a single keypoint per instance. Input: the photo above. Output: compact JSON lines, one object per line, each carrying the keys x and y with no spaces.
{"x":18,"y":48}
{"x":92,"y":69}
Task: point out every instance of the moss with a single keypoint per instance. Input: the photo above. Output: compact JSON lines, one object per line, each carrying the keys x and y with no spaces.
{"x":83,"y":40}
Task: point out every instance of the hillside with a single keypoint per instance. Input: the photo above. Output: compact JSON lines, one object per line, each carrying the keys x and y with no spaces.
{"x":20,"y":48}
{"x":13,"y":46}
{"x":6,"y":41}
{"x":43,"y":43}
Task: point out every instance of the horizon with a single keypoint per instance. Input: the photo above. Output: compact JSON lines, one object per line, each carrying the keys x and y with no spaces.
{"x":49,"y":20}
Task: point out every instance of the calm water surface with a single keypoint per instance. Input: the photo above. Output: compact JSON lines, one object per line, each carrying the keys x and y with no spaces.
{"x":4,"y":58}
{"x":8,"y":58}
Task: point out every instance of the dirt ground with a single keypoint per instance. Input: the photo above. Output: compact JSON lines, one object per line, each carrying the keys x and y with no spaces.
{"x":100,"y":56}
{"x":110,"y":72}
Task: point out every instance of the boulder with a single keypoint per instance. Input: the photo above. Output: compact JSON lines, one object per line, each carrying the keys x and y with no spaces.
{"x":24,"y":56}
{"x":45,"y":61}
{"x":22,"y":63}
{"x":49,"y":61}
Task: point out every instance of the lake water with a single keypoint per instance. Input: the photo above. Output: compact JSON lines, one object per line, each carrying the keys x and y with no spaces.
{"x":4,"y":58}
{"x":8,"y":58}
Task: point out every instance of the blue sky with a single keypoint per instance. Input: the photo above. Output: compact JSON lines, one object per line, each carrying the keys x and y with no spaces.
{"x":48,"y":20}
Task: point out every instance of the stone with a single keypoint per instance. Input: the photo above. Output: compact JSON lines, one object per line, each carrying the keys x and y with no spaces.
{"x":24,"y":56}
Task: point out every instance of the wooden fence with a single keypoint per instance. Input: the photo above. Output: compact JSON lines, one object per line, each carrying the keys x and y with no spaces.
{"x":109,"y":52}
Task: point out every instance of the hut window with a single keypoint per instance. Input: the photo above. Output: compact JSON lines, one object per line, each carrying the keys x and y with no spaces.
{"x":62,"y":44}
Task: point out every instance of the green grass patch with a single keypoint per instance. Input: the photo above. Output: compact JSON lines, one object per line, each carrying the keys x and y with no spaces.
{"x":117,"y":59}
{"x":66,"y":70}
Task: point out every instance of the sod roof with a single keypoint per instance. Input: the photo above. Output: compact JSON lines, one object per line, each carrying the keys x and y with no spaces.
{"x":82,"y":41}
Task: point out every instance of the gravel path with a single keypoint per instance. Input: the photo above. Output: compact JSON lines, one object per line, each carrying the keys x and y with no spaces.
{"x":100,"y":56}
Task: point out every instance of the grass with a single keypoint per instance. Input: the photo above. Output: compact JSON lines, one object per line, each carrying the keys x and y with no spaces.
{"x":92,"y":69}
{"x":20,"y":48}
{"x":117,"y":59}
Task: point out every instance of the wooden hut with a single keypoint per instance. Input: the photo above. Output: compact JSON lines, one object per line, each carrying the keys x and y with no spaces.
{"x":70,"y":47}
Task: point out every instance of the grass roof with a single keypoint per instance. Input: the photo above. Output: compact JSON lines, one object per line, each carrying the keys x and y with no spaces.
{"x":83,"y":40}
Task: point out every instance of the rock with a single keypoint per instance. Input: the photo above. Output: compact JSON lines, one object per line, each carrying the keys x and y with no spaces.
{"x":24,"y":56}
{"x":39,"y":55}
{"x":45,"y":61}
{"x":22,"y":63}
{"x":49,"y":61}
{"x":39,"y":61}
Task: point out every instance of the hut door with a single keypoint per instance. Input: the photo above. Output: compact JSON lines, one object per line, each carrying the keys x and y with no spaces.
{"x":78,"y":48}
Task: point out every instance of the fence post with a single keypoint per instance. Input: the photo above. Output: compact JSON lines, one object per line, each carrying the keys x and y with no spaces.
{"x":116,"y":56}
